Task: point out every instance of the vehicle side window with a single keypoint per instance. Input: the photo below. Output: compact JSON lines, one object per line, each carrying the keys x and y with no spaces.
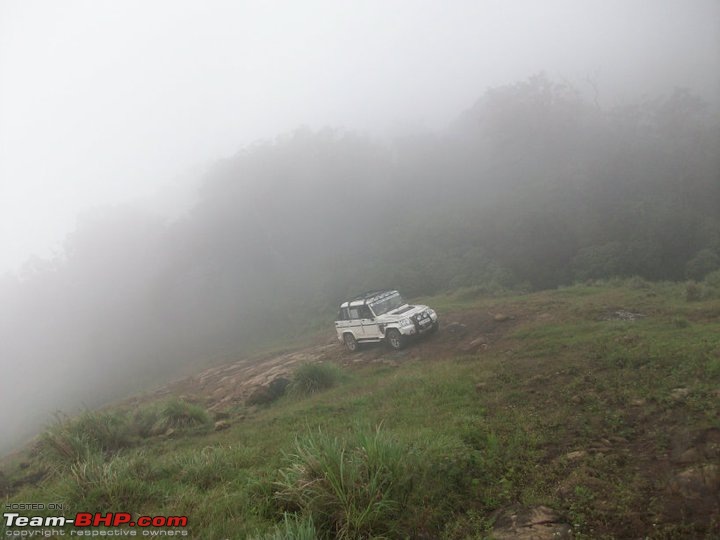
{"x":355,"y":312}
{"x":342,"y":315}
{"x":365,"y":312}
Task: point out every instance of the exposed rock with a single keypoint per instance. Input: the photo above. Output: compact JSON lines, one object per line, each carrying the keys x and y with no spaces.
{"x":456,"y":328}
{"x":479,"y":387}
{"x":170,"y":432}
{"x":263,"y":395}
{"x":477,"y":343}
{"x":260,"y":396}
{"x":622,"y":315}
{"x":639,"y":402}
{"x":697,"y":482}
{"x":501,"y":317}
{"x":577,"y":454}
{"x":539,"y":523}
{"x":691,"y":455}
{"x":710,"y":436}
{"x":679,"y":393}
{"x":221,"y":425}
{"x":278,"y":386}
{"x":582,"y":476}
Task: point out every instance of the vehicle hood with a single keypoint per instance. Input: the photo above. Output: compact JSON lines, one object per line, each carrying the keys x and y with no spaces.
{"x":403,"y":312}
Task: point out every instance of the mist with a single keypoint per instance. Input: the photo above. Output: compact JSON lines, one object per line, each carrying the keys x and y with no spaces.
{"x":182,"y":183}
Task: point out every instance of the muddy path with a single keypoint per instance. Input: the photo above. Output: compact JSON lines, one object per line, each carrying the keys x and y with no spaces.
{"x":222,"y":387}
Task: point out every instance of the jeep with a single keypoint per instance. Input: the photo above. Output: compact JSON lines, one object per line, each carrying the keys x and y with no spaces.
{"x":382,"y":316}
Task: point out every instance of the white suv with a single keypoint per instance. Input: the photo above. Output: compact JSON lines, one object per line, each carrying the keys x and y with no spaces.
{"x":382,"y":315}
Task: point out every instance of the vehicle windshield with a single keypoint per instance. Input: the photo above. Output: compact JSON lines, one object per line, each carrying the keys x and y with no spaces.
{"x":386,"y":304}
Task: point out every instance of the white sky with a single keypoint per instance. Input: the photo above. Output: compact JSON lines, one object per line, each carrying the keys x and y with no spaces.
{"x":113,"y":101}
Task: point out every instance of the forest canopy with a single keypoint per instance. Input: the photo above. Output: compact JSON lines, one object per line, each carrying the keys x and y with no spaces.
{"x":532,"y":187}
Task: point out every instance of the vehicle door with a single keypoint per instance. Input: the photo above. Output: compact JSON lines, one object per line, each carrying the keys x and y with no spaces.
{"x":355,"y":324}
{"x":343,"y":322}
{"x":371,"y":329}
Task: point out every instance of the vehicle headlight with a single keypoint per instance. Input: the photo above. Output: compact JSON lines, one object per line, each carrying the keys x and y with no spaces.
{"x":432,"y":314}
{"x":405,"y":322}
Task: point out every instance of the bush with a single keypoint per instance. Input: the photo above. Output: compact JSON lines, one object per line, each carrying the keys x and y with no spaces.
{"x":265,"y":395}
{"x":311,"y":378}
{"x":693,"y":292}
{"x":680,"y":322}
{"x":703,"y":263}
{"x":145,"y":421}
{"x":600,"y":261}
{"x":712,"y":280}
{"x":354,"y":489}
{"x":638,"y":283}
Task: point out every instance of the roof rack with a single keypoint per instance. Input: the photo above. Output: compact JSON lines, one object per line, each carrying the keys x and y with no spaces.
{"x":369,"y":294}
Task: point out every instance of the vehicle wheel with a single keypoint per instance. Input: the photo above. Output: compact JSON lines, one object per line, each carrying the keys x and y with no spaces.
{"x":435,"y":327}
{"x":395,"y":339}
{"x":350,"y":342}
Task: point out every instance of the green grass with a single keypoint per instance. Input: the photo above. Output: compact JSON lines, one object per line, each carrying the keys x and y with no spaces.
{"x":572,"y":411}
{"x":179,"y":414}
{"x":73,"y":440}
{"x":351,"y":487}
{"x":311,"y":378}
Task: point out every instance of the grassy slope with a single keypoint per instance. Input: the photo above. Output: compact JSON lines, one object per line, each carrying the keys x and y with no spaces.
{"x":569,"y":410}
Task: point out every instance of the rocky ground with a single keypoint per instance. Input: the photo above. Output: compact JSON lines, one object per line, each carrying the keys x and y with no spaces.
{"x":223,"y":387}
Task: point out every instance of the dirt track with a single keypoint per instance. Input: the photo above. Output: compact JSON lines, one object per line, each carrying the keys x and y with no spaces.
{"x":222,"y":387}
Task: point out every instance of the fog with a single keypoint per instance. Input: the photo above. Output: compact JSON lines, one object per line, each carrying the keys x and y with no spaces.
{"x":182,"y":182}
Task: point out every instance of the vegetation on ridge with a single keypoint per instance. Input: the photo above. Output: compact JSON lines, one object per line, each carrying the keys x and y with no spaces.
{"x":594,"y":402}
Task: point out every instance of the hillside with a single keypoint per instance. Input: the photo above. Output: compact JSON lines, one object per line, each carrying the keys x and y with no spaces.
{"x":590,"y":410}
{"x":530,"y":188}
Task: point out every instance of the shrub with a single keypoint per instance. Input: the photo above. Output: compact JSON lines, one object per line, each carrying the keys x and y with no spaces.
{"x":680,"y":322}
{"x":693,"y":291}
{"x":600,"y":261}
{"x":353,"y":489}
{"x":265,"y":395}
{"x":704,"y":262}
{"x":712,"y":280}
{"x":636,"y":282}
{"x":145,"y":421}
{"x":312,"y":378}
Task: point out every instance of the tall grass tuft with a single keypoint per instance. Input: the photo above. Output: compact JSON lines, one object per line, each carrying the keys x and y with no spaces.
{"x":73,"y":440}
{"x":112,"y":484}
{"x":292,"y":528}
{"x":351,"y":489}
{"x":311,"y":378}
{"x":179,"y":414}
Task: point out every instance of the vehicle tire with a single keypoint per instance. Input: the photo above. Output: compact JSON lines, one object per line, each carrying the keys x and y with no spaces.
{"x":395,"y":339}
{"x":351,"y":343}
{"x":435,"y":327}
